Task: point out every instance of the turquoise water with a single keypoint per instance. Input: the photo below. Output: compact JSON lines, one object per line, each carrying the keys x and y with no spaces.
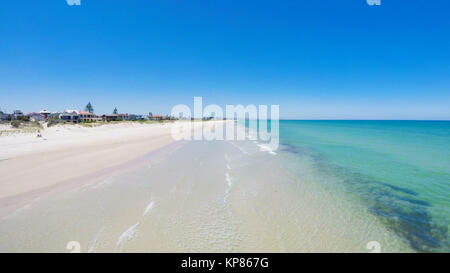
{"x":399,"y":171}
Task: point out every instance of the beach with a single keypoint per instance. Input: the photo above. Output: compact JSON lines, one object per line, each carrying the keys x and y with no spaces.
{"x":69,"y":155}
{"x":132,"y":188}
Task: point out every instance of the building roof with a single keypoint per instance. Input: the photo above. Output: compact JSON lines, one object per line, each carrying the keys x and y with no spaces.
{"x":69,"y":111}
{"x":85,"y":113}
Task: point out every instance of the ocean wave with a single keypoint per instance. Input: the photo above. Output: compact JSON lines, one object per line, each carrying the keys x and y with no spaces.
{"x":265,"y":148}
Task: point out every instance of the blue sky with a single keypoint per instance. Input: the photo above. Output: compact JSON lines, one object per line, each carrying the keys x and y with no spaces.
{"x":323,"y":59}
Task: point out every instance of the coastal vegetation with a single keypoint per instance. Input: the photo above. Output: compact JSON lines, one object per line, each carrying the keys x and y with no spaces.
{"x":20,"y":127}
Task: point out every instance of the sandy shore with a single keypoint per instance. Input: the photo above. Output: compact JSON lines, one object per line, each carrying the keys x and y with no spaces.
{"x":71,"y":155}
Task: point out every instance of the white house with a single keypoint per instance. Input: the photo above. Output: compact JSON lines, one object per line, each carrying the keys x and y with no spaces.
{"x":45,"y":113}
{"x":36,"y":117}
{"x":70,"y":116}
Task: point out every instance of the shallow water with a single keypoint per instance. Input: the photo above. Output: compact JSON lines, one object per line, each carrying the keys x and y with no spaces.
{"x":399,"y":170}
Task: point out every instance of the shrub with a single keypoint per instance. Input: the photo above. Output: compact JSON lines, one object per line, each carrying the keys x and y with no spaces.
{"x":37,"y":124}
{"x":15,"y":123}
{"x":54,"y":121}
{"x":23,"y":118}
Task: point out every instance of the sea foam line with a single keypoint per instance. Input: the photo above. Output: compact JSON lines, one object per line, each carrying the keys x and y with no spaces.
{"x":127,"y":235}
{"x":229,"y":184}
{"x":228,"y":179}
{"x":265,"y":148}
{"x":149,"y":208}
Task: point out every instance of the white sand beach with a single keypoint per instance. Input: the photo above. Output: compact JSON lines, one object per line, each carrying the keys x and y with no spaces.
{"x":30,"y":164}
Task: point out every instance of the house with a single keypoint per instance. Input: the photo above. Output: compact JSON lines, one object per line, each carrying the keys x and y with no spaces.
{"x":123,"y":116}
{"x":4,"y":116}
{"x":45,"y":113}
{"x":157,"y":117}
{"x":16,"y":114}
{"x":88,"y":117}
{"x":36,"y":117}
{"x":110,"y":117}
{"x":70,"y":116}
{"x":54,"y":115}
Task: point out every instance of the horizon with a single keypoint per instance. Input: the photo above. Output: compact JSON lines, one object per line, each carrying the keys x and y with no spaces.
{"x":318,"y":61}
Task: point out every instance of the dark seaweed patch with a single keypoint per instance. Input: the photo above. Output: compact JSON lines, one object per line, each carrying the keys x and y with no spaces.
{"x":398,"y":208}
{"x":290,"y":149}
{"x":395,"y":188}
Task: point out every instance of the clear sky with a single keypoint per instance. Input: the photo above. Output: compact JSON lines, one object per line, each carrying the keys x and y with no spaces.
{"x":324,"y":59}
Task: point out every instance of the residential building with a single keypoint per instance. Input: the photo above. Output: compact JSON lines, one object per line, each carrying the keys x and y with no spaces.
{"x":123,"y":116}
{"x":88,"y":117}
{"x":4,"y":116}
{"x":46,"y":114}
{"x":110,"y":117}
{"x":16,"y":114}
{"x":54,"y":115}
{"x":70,"y":116}
{"x":36,"y":117}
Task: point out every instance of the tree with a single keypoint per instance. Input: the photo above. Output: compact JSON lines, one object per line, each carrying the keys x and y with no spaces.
{"x":115,"y":111}
{"x":89,"y":108}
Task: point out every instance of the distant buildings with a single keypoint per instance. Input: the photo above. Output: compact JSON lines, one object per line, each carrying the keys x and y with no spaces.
{"x":76,"y":116}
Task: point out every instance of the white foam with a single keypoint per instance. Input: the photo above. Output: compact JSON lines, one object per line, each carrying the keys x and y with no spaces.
{"x":127,"y":235}
{"x":228,"y":179}
{"x":149,"y":208}
{"x":265,"y":148}
{"x":240,"y":149}
{"x":229,"y":183}
{"x":228,"y":166}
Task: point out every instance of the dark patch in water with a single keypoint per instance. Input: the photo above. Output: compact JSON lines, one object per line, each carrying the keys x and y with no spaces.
{"x":403,"y":190}
{"x":398,"y":208}
{"x":413,"y":201}
{"x":290,"y":149}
